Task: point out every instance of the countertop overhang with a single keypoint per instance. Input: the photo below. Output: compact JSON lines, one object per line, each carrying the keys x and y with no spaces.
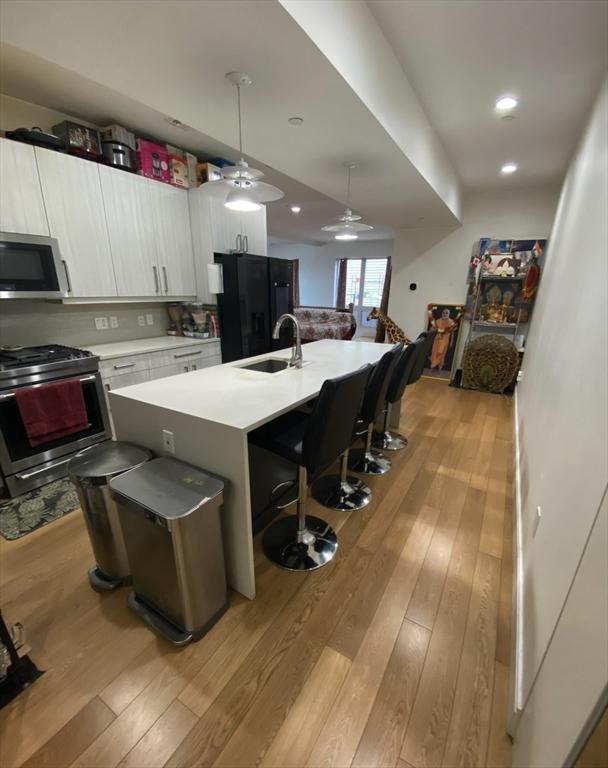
{"x":243,"y":399}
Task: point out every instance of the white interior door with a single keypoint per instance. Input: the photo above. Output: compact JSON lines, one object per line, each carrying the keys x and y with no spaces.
{"x":74,"y":206}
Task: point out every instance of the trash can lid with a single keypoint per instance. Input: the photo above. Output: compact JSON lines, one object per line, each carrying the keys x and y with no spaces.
{"x":169,"y":488}
{"x":103,"y":461}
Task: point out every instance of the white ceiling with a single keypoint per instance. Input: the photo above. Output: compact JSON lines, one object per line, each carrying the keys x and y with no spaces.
{"x":461,"y":55}
{"x":183,"y":76}
{"x":458,"y":55}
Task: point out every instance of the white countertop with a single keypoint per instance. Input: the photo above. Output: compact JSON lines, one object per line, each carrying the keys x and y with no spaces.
{"x":142,"y":346}
{"x":228,"y":395}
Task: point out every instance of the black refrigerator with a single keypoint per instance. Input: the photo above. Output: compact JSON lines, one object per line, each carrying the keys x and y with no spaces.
{"x":257,"y":290}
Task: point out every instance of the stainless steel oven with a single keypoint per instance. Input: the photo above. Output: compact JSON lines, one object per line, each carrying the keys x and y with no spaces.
{"x":23,"y":466}
{"x":31,"y":267}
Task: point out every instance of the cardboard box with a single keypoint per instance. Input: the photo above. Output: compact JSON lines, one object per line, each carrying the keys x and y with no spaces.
{"x":179,"y":171}
{"x":207,"y":172}
{"x":153,"y":161}
{"x":191,"y":161}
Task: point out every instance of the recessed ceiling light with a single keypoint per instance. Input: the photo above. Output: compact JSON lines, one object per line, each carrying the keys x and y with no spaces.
{"x":506,"y":103}
{"x":508,"y":168}
{"x":295,"y":209}
{"x":295,"y":120}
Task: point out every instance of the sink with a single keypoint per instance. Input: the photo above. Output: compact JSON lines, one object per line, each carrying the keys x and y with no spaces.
{"x":270,"y":365}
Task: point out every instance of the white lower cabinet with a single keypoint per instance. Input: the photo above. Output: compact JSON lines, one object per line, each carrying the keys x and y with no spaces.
{"x":118,"y":372}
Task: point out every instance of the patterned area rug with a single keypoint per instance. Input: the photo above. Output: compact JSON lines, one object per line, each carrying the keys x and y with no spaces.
{"x":26,"y":513}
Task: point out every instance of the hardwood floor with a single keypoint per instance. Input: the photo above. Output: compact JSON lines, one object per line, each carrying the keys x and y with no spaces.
{"x":396,"y":654}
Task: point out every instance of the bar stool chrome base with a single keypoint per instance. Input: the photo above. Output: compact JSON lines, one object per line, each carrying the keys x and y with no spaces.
{"x":366,"y":461}
{"x":342,"y":492}
{"x":386,"y":441}
{"x":285,"y":544}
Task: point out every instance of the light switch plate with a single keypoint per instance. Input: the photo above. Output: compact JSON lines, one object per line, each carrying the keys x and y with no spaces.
{"x":141,"y":320}
{"x":101,"y":323}
{"x":113,"y":321}
{"x":150,"y":319}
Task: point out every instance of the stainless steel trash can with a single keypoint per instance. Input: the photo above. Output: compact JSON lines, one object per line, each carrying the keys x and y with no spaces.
{"x":170,"y":515}
{"x":91,"y":471}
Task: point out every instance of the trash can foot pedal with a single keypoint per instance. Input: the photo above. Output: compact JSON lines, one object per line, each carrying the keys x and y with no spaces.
{"x":158,"y":623}
{"x":101,"y":582}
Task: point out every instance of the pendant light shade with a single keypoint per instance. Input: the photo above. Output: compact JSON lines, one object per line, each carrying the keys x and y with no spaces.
{"x":239,"y":199}
{"x":241,"y":186}
{"x":350,"y":224}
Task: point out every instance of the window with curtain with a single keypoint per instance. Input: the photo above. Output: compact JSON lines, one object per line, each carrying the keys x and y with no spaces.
{"x":364,"y":282}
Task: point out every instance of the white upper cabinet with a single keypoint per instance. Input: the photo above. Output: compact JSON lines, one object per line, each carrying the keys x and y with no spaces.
{"x":174,"y":240}
{"x":253,"y":228}
{"x":131,"y":224}
{"x":74,"y":206}
{"x":225,"y":226}
{"x":21,"y":204}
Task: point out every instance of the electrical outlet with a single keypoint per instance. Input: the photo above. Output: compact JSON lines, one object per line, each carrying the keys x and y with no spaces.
{"x":101,"y":323}
{"x":168,"y":442}
{"x":141,"y":320}
{"x":150,"y":319}
{"x":113,"y":321}
{"x":537,"y":519}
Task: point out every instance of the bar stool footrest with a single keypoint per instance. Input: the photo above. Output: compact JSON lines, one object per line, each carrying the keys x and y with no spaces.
{"x":388,"y":441}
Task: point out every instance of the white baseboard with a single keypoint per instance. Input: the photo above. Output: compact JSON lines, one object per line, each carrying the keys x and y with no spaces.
{"x":515,"y":672}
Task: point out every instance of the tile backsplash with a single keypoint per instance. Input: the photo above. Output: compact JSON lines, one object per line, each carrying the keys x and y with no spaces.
{"x":48,"y":322}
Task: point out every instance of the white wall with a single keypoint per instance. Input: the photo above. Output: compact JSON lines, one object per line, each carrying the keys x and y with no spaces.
{"x":563,"y":465}
{"x":436,"y":259}
{"x":318,"y":264}
{"x":316,"y":272}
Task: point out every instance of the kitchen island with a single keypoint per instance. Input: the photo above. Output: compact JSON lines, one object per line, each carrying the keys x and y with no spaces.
{"x":210,"y":413}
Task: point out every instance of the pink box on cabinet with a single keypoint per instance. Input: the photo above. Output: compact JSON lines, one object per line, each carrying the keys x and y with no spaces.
{"x":153,"y":161}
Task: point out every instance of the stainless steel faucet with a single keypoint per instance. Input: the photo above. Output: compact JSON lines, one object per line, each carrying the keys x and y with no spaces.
{"x":296,"y":349}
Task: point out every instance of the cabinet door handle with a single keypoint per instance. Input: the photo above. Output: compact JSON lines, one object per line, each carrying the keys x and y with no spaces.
{"x":156,"y":283}
{"x":166,"y":282}
{"x":67,"y":274}
{"x":188,"y":354}
{"x":239,"y":243}
{"x":123,"y":365}
{"x":246,"y":239}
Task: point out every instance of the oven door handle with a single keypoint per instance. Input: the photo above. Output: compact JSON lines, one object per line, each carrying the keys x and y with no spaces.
{"x":9,"y":395}
{"x":27,"y":475}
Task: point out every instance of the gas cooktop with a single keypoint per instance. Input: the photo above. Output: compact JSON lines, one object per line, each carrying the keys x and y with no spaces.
{"x":26,"y":357}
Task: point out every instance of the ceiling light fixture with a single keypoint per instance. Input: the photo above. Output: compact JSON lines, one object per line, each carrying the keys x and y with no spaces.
{"x":240,"y":186}
{"x":508,"y":168}
{"x":350,"y":224}
{"x":506,"y":103}
{"x":295,"y":209}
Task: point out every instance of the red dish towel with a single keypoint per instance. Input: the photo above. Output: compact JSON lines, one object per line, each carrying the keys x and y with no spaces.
{"x":52,"y":410}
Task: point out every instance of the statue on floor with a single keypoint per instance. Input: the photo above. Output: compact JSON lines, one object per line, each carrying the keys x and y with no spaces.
{"x":393,"y":332}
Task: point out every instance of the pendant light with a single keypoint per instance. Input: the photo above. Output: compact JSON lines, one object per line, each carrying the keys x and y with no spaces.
{"x":241,"y":186}
{"x":350,"y":224}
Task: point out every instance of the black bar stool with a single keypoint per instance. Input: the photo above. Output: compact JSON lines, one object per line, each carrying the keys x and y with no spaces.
{"x":366,"y":461}
{"x":302,"y":542}
{"x":421,"y":349}
{"x":386,"y":440}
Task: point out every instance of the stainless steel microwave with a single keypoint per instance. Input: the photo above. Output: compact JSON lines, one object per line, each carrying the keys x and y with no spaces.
{"x":31,"y":268}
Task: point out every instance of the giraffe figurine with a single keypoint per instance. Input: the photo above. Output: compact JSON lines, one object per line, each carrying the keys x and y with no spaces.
{"x":394,"y":333}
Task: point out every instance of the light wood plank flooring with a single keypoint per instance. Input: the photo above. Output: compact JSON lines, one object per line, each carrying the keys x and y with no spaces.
{"x":396,"y":654}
